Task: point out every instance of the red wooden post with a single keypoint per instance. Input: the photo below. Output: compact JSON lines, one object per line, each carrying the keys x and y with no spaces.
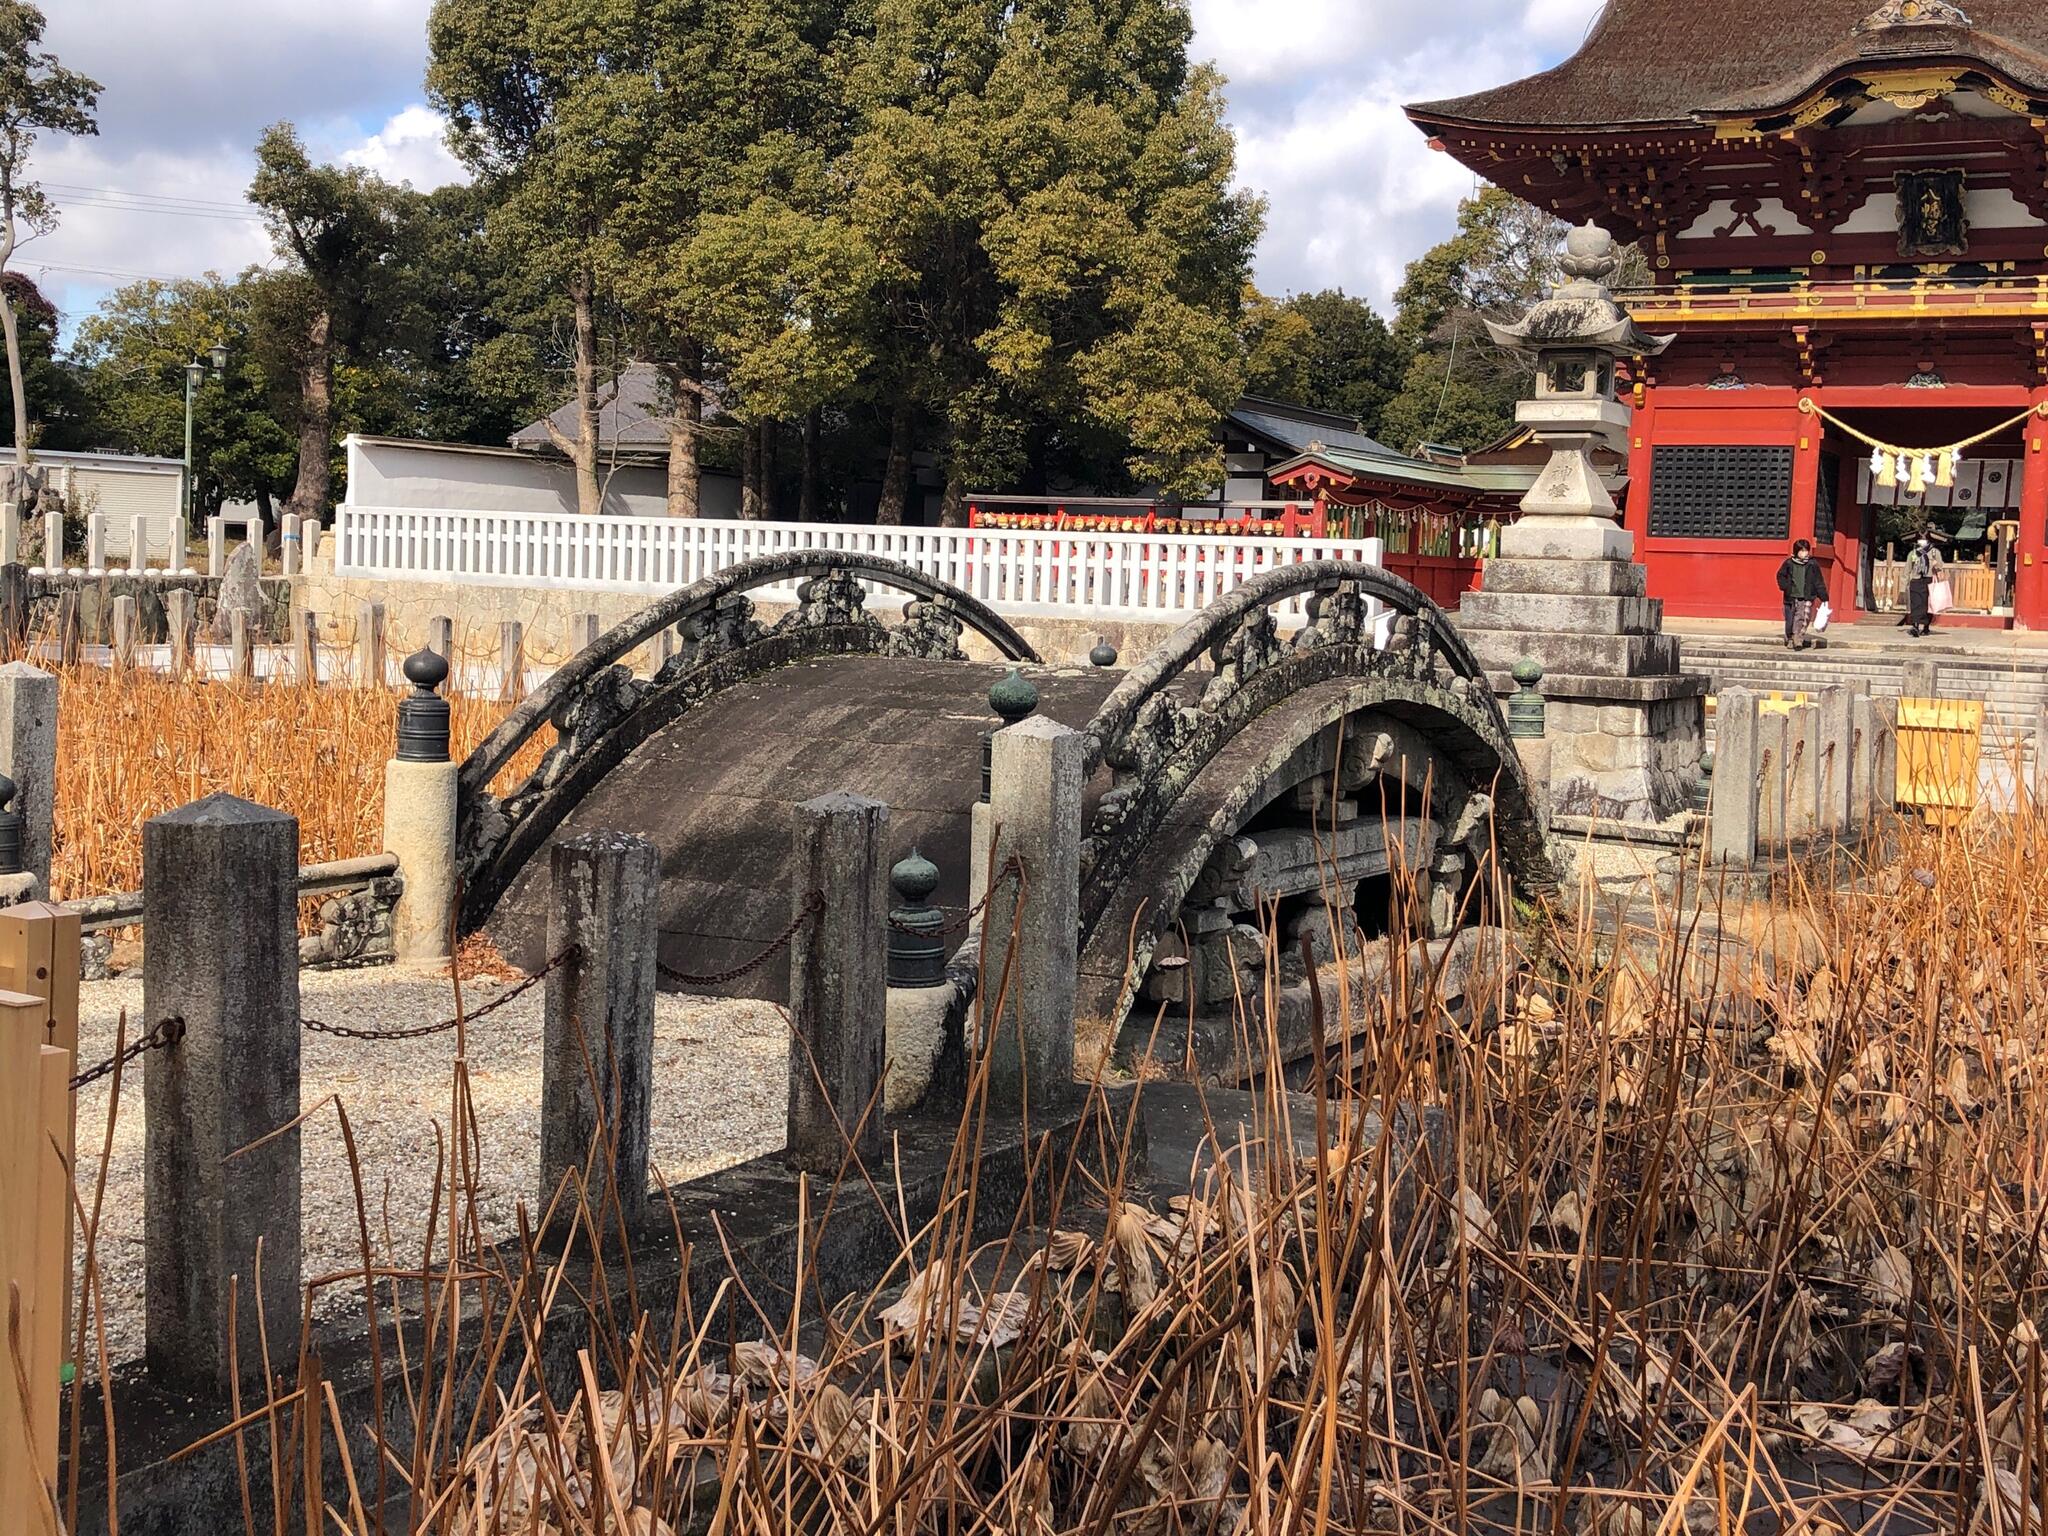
{"x":2030,"y":583}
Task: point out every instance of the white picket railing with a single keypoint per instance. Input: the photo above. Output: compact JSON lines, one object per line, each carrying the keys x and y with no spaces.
{"x":1047,"y":573}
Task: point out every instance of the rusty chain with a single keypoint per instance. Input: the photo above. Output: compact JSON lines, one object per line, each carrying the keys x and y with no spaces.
{"x":417,"y":1032}
{"x":1009,"y":872}
{"x":166,"y":1032}
{"x":813,"y":905}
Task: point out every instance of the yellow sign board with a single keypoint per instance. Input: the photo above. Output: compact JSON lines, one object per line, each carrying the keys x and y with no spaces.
{"x":1940,"y":744}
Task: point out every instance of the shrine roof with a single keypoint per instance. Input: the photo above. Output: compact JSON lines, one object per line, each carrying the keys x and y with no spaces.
{"x":1389,"y":468}
{"x":1675,"y":63}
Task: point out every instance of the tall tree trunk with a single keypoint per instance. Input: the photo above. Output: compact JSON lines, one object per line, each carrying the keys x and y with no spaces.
{"x":953,"y":507}
{"x":896,"y":473}
{"x":589,"y":495}
{"x":750,"y":473}
{"x":685,"y":467}
{"x":814,"y":466}
{"x":9,"y":324}
{"x":316,"y":421}
{"x":263,"y":507}
{"x":771,"y":470}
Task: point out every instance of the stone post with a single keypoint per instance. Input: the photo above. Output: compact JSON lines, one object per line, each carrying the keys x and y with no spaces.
{"x":369,"y":645}
{"x":583,"y":633}
{"x":511,"y":661}
{"x":180,"y":618}
{"x":838,"y":988}
{"x":597,"y":1053}
{"x":1446,"y":886}
{"x":220,"y":905}
{"x":1035,"y":806}
{"x":53,"y":540}
{"x":290,"y":544}
{"x":1732,"y":815}
{"x":10,"y":532}
{"x":96,"y":542}
{"x":216,"y":546}
{"x":1771,"y":785}
{"x":123,"y":638}
{"x":138,"y":543}
{"x":1863,"y":797}
{"x":441,"y":638}
{"x":419,"y":817}
{"x":1884,"y":762}
{"x":1835,"y":759}
{"x":1920,"y":679}
{"x":2039,"y":782}
{"x":28,"y":755}
{"x":1802,"y":772}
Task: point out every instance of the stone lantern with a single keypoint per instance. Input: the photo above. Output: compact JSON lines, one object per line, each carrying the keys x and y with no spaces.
{"x":1622,"y":724}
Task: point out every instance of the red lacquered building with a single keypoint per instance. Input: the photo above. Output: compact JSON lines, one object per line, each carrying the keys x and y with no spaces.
{"x":1840,"y":206}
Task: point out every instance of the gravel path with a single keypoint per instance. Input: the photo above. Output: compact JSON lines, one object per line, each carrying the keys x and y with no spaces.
{"x":721,"y":1073}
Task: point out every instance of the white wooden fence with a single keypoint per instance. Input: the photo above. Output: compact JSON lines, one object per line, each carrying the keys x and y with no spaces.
{"x":1121,"y":575}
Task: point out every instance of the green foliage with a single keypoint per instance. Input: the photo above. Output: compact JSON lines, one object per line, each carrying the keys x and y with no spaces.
{"x":1327,"y":350}
{"x":133,"y":351}
{"x":59,"y":414}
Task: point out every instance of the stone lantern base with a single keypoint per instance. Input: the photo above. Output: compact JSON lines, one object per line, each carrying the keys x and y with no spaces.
{"x":1623,"y":726}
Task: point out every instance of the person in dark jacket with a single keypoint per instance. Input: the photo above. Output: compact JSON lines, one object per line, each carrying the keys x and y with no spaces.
{"x":1923,"y":570}
{"x":1800,"y":581}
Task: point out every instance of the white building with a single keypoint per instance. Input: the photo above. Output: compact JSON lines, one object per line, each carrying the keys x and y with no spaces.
{"x":122,"y":487}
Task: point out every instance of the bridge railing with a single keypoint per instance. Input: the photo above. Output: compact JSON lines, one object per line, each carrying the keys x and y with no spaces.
{"x":1014,"y":571}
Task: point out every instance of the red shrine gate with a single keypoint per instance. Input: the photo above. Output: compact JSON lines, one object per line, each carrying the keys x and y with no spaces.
{"x":1844,"y":209}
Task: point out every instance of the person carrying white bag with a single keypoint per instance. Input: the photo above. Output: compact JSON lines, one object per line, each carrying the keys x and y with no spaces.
{"x":1805,"y":590}
{"x":1927,"y":589}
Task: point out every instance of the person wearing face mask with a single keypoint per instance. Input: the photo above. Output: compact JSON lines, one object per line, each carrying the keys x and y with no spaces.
{"x":1799,"y":579}
{"x":1923,"y":569}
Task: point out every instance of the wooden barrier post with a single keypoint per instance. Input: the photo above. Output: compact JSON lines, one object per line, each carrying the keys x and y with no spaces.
{"x":220,"y":895}
{"x":838,"y":982}
{"x":306,"y":648}
{"x":370,"y":645}
{"x":511,"y":661}
{"x":35,"y":1261}
{"x":597,"y":1044}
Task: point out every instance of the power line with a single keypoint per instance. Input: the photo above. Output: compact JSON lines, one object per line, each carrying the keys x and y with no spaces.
{"x":151,"y":197}
{"x":76,"y":202}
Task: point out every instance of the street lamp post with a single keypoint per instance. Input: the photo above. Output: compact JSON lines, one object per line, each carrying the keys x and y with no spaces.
{"x":195,"y":373}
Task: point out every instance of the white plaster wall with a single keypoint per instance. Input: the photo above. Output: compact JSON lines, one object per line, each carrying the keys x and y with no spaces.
{"x":445,"y":477}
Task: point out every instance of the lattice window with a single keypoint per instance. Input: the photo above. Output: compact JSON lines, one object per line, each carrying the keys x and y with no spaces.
{"x":1720,"y":492}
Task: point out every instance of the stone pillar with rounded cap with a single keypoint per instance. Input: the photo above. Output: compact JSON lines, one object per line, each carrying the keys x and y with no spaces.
{"x":1623,"y":724}
{"x":419,"y":816}
{"x":1012,"y":698}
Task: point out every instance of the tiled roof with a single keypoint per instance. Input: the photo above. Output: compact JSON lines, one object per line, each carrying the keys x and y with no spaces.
{"x":1672,"y":62}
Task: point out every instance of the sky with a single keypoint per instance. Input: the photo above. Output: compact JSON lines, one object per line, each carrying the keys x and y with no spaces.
{"x":1316,"y":87}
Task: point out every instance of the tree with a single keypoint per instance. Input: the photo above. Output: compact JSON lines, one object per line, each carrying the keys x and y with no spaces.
{"x":59,"y":414}
{"x":132,"y":352}
{"x":1046,"y":187}
{"x":552,"y":105}
{"x":342,"y":231}
{"x":36,"y":93}
{"x":1460,"y":388}
{"x":1327,"y":350}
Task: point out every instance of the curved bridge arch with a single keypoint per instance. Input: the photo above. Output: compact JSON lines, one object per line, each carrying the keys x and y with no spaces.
{"x":601,"y":711}
{"x":1189,"y":758}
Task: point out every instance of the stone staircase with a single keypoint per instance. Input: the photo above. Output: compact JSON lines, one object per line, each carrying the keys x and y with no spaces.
{"x":2013,"y":683}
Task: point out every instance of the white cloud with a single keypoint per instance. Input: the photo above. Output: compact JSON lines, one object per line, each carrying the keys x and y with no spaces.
{"x":412,"y":148}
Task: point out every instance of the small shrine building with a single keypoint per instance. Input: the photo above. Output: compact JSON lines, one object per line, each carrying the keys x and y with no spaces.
{"x":1844,"y":212}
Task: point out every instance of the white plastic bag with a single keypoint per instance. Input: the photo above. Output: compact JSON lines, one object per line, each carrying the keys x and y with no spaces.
{"x":1940,"y":595}
{"x":1823,"y":615}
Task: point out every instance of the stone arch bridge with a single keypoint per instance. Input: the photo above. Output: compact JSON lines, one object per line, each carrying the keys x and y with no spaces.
{"x":1233,"y":723}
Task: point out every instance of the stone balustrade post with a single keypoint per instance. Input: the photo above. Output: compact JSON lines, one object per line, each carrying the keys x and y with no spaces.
{"x":370,"y":645}
{"x":70,"y":629}
{"x":180,"y":619}
{"x":241,"y":656}
{"x":1835,"y":760}
{"x":511,"y":661}
{"x":2040,"y":744}
{"x":1732,"y":813}
{"x":216,"y":546}
{"x":1884,"y":766}
{"x":1920,"y":678}
{"x":220,"y":905}
{"x":14,"y":609}
{"x":838,"y":991}
{"x":53,"y":540}
{"x":305,"y":627}
{"x":1802,"y":772}
{"x":1773,"y":788}
{"x":138,"y":543}
{"x":1035,"y":810}
{"x":1864,"y":803}
{"x":419,"y":816}
{"x":597,"y":1052}
{"x":96,"y":541}
{"x":123,"y":636}
{"x":28,"y":755}
{"x":290,"y":545}
{"x":10,"y":532}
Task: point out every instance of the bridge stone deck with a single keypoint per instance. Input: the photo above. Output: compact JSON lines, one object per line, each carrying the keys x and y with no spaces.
{"x":714,"y":790}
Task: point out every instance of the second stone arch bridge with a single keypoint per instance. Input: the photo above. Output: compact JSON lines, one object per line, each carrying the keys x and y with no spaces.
{"x":1205,"y":762}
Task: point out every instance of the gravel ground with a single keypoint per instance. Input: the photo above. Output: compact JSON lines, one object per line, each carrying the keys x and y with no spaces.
{"x":721,"y":1070}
